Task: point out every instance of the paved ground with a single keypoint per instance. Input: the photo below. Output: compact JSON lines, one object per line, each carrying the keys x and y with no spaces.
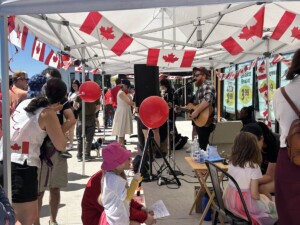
{"x":177,"y":199}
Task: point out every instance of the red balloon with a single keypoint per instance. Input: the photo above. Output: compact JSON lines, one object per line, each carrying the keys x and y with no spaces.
{"x":89,"y":91}
{"x":154,"y":112}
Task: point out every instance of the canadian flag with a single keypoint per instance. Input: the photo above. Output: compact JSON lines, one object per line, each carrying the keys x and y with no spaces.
{"x":249,"y":34}
{"x":79,"y":69}
{"x":67,"y":61}
{"x":53,"y":59}
{"x":17,"y":32}
{"x":38,"y":50}
{"x":96,"y":71}
{"x":97,"y":25}
{"x":261,"y":71}
{"x":287,"y":29}
{"x":170,"y":58}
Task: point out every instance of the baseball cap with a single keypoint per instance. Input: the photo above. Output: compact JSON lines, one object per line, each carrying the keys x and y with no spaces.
{"x":204,"y":70}
{"x":126,"y":82}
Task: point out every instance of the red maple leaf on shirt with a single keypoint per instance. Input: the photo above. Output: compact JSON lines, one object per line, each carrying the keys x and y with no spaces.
{"x":170,"y":58}
{"x":15,"y":147}
{"x":247,"y":32}
{"x":107,"y":32}
{"x":37,"y":49}
{"x":296,"y":33}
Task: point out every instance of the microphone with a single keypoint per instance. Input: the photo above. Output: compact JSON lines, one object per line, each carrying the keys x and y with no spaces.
{"x":192,"y":81}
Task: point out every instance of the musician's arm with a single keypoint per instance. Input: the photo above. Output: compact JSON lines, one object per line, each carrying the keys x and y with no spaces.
{"x":200,"y":108}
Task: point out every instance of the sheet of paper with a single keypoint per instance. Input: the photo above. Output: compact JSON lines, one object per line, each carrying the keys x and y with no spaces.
{"x":159,"y":209}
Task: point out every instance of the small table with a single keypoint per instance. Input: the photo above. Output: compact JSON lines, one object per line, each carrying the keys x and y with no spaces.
{"x":202,"y":173}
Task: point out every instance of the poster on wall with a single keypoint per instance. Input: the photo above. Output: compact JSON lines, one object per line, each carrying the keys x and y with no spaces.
{"x":229,"y":94}
{"x":244,"y":87}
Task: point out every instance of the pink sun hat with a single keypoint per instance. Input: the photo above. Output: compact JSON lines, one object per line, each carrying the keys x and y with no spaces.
{"x":114,"y":155}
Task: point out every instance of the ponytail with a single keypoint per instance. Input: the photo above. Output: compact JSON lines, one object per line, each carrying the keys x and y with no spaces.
{"x":36,"y":103}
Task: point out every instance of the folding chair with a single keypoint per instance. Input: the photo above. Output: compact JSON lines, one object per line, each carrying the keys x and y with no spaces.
{"x":220,"y":208}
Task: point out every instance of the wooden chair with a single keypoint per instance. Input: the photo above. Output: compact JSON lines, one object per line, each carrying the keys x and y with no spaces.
{"x":220,"y":208}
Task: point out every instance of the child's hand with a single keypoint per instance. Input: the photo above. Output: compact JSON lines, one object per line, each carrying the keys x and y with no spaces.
{"x":150,"y":219}
{"x":137,"y":176}
{"x":150,"y":211}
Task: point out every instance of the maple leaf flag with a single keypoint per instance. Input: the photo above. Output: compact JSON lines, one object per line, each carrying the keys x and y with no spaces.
{"x":38,"y":50}
{"x":53,"y":59}
{"x":244,"y":38}
{"x":287,"y":29}
{"x":97,"y":25}
{"x":67,"y":61}
{"x":17,"y":32}
{"x":170,"y":58}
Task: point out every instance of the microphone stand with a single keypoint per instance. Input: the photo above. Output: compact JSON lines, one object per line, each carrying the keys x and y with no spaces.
{"x":173,"y":126}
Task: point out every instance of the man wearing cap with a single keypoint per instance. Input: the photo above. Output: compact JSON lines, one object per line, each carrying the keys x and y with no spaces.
{"x":20,"y":82}
{"x":204,"y":97}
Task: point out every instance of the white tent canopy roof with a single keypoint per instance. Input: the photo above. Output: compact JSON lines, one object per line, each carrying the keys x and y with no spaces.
{"x":21,"y":7}
{"x":180,"y":26}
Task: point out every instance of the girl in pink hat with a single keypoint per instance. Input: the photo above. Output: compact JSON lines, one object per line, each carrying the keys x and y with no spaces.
{"x":115,"y":195}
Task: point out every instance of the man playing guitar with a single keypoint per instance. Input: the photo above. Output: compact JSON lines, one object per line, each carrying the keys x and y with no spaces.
{"x":205,"y":96}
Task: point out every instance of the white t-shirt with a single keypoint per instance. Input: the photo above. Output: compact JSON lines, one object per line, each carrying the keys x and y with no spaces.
{"x":243,"y":176}
{"x":284,"y":114}
{"x":114,"y":193}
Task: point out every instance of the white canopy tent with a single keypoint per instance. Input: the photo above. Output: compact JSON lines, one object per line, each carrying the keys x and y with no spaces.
{"x":193,"y":24}
{"x":191,"y":27}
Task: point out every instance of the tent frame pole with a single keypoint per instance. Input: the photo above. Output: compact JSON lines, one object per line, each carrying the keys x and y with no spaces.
{"x":5,"y":106}
{"x":83,"y":114}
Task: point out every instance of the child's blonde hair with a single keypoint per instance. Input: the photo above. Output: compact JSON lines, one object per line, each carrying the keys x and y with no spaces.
{"x":245,"y":150}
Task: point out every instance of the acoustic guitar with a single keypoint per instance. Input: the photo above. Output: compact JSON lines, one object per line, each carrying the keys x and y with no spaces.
{"x":204,"y":118}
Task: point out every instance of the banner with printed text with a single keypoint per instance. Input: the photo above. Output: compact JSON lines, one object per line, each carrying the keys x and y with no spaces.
{"x":244,"y":88}
{"x":229,"y":94}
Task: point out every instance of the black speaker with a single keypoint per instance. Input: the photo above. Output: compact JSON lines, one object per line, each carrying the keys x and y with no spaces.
{"x":146,"y":82}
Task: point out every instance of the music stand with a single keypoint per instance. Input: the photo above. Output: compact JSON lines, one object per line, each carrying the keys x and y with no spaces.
{"x":149,"y":145}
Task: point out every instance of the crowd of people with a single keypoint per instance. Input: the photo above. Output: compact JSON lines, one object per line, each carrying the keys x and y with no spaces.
{"x":43,"y":120}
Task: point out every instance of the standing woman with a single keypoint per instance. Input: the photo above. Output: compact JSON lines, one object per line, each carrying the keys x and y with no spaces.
{"x":32,"y":120}
{"x":71,"y":98}
{"x":287,"y":174}
{"x":122,"y":123}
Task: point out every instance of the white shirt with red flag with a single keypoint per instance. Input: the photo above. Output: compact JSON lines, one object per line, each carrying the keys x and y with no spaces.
{"x":53,"y":59}
{"x":245,"y":38}
{"x":288,"y":29}
{"x":170,"y":58}
{"x":38,"y":50}
{"x":115,"y":39}
{"x":17,"y":32}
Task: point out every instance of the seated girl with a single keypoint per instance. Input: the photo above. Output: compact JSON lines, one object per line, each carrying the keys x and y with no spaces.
{"x":244,"y":168}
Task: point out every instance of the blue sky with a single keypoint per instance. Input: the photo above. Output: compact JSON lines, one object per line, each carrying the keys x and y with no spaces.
{"x":23,"y":61}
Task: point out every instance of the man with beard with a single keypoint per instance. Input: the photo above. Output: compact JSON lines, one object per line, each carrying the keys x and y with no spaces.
{"x":204,"y":97}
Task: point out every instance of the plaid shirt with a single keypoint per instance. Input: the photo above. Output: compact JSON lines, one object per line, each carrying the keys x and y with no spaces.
{"x":207,"y":92}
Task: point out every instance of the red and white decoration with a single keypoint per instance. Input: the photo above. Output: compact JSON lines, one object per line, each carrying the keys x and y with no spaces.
{"x":288,"y":29}
{"x":280,"y":58}
{"x":17,"y":32}
{"x":96,"y":71}
{"x":235,"y":74}
{"x":78,"y":69}
{"x":261,"y":76}
{"x":245,"y":38}
{"x":67,"y":61}
{"x":170,"y":58}
{"x":97,"y":25}
{"x":53,"y":59}
{"x":38,"y":50}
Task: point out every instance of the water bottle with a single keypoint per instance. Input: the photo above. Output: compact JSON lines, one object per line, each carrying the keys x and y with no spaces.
{"x":204,"y":204}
